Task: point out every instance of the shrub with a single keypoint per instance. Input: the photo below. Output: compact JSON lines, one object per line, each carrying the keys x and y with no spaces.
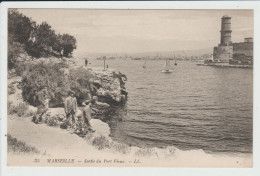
{"x":21,"y":109}
{"x":51,"y":121}
{"x":144,"y":152}
{"x":79,"y":83}
{"x":19,"y":147}
{"x":101,"y":142}
{"x":41,"y":74}
{"x":15,"y":51}
{"x":121,"y":148}
{"x":11,"y":89}
{"x":20,"y":67}
{"x":10,"y":107}
{"x":58,"y":82}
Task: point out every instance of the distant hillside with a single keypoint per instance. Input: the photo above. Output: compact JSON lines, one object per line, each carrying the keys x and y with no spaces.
{"x":187,"y":53}
{"x":179,"y":53}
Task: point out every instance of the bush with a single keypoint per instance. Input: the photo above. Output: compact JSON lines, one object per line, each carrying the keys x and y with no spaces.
{"x":79,"y":83}
{"x":41,"y":74}
{"x":101,"y":142}
{"x":15,"y":50}
{"x":19,"y":147}
{"x":121,"y":148}
{"x":52,"y":121}
{"x":10,"y":107}
{"x":21,"y":109}
{"x":20,"y":67}
{"x":11,"y":89}
{"x":144,"y":152}
{"x":58,"y":82}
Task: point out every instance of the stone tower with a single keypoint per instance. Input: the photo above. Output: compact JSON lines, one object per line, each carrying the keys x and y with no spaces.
{"x":224,"y":51}
{"x":225,"y":30}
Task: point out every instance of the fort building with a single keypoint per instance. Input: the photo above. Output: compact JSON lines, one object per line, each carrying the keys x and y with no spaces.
{"x":232,"y":53}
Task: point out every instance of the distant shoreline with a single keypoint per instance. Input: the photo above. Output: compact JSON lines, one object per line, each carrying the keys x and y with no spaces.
{"x":229,"y":66}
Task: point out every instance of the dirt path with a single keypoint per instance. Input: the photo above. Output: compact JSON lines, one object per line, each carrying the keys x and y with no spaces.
{"x":62,"y":144}
{"x":57,"y":143}
{"x":53,"y":140}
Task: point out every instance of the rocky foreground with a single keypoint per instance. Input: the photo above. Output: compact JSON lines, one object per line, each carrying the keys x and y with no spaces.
{"x":110,"y":85}
{"x":61,"y":146}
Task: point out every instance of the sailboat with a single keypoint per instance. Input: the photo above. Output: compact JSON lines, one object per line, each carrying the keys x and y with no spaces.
{"x":175,"y":60}
{"x":167,"y":67}
{"x":144,"y":65}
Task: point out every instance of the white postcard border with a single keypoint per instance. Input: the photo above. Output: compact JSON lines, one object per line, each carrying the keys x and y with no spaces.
{"x":25,"y":171}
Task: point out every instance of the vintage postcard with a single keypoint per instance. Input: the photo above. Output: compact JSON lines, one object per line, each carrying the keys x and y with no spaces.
{"x":117,"y":87}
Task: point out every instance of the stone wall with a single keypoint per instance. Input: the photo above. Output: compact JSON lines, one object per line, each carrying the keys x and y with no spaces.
{"x":245,"y":48}
{"x":222,"y":53}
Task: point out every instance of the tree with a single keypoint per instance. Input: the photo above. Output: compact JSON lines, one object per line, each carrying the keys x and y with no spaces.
{"x":15,"y":50}
{"x":44,"y":39}
{"x":58,"y":46}
{"x":19,"y":26}
{"x":65,"y":44}
{"x":69,"y":44}
{"x":36,"y":40}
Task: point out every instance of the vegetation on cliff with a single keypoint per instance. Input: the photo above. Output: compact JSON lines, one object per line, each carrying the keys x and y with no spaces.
{"x":59,"y":80}
{"x":26,"y":39}
{"x":15,"y":146}
{"x":34,"y":52}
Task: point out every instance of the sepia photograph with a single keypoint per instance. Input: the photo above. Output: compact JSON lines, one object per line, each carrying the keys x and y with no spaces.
{"x":130,"y":87}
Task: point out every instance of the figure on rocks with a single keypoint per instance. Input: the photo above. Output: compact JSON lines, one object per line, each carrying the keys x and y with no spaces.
{"x":70,"y":106}
{"x":86,"y":62}
{"x":42,"y":101}
{"x":86,"y":112}
{"x":92,"y":89}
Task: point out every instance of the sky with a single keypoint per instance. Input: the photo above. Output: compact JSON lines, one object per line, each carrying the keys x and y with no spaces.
{"x":133,"y":31}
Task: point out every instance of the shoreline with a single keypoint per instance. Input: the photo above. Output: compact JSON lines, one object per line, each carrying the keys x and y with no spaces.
{"x":227,"y":66}
{"x":71,"y":146}
{"x":55,"y":143}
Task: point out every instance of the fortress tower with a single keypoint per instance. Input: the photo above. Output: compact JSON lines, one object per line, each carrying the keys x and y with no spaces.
{"x":224,"y":51}
{"x":228,"y":52}
{"x":225,"y":30}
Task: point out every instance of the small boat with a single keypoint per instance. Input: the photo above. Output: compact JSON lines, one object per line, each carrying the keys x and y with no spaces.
{"x":144,"y":65}
{"x":167,"y":67}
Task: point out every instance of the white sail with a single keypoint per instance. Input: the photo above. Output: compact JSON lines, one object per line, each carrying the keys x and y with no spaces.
{"x":144,"y":64}
{"x":167,"y":65}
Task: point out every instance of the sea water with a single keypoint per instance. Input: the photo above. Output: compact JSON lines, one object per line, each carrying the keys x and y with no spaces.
{"x":193,"y":108}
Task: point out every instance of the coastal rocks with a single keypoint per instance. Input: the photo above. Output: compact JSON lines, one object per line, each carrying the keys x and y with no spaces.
{"x":62,"y":75}
{"x":31,"y":109}
{"x":57,"y":116}
{"x":58,"y":113}
{"x":101,"y":128}
{"x":110,"y":85}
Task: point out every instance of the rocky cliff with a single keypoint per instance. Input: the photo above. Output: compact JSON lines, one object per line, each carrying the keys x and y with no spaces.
{"x":109,"y":85}
{"x":54,"y":78}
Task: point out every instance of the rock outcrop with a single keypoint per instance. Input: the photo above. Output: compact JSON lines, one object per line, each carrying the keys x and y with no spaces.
{"x":57,"y":116}
{"x":110,"y":85}
{"x":61,"y":76}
